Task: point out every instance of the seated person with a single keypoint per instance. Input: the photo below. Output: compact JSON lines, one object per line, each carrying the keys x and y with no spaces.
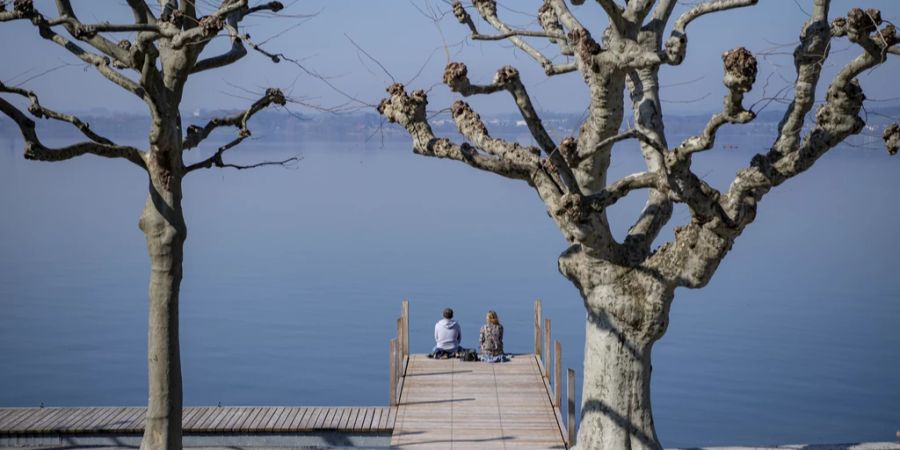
{"x":491,"y":338}
{"x":447,"y":336}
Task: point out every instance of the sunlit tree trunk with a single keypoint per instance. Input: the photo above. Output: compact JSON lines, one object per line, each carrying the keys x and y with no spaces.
{"x":627,"y":312}
{"x":616,"y":392}
{"x":162,"y":222}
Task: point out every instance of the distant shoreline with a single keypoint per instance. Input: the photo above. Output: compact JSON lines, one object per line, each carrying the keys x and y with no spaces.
{"x":364,"y":127}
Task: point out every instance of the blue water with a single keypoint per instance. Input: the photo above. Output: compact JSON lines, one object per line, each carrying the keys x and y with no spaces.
{"x":293,"y":281}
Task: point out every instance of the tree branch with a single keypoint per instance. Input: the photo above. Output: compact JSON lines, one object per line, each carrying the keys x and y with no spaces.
{"x":524,"y":33}
{"x":809,"y":56}
{"x":283,"y":163}
{"x":891,"y":138}
{"x":188,"y":9}
{"x":237,"y":50}
{"x":488,"y":11}
{"x":676,"y":45}
{"x":84,"y":31}
{"x":662,"y":14}
{"x":470,"y":125}
{"x":613,"y":11}
{"x":216,"y":159}
{"x":632,"y":133}
{"x":141,"y":12}
{"x":740,"y":74}
{"x":88,"y":33}
{"x":40,"y":112}
{"x":507,"y":78}
{"x":700,"y":246}
{"x":550,"y":22}
{"x":622,"y":187}
{"x":643,"y":88}
{"x":837,"y":119}
{"x":409,"y":112}
{"x":196,"y":135}
{"x":637,"y":10}
{"x":566,"y":18}
{"x":101,"y":63}
{"x":210,"y":25}
{"x":234,"y":54}
{"x":507,"y":159}
{"x":35,"y":150}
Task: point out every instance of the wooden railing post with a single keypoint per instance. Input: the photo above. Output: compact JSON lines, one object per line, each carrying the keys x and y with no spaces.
{"x":557,"y":375}
{"x":393,"y":375}
{"x":399,"y":373}
{"x":570,"y":393}
{"x":401,"y":336}
{"x":546,"y":354}
{"x":404,"y":314}
{"x":537,"y":328}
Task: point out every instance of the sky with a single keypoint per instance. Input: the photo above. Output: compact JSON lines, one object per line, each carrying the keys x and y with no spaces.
{"x":342,"y":39}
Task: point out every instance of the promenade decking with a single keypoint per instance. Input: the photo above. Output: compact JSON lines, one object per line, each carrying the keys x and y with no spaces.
{"x":453,"y":404}
{"x":130,"y":420}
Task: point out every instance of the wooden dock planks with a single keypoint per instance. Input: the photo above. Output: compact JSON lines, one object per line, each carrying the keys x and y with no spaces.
{"x":443,"y":404}
{"x":455,"y":404}
{"x":129,"y":420}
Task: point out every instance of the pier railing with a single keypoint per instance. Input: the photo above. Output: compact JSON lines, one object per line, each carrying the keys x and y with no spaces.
{"x":399,"y":354}
{"x":549,"y":359}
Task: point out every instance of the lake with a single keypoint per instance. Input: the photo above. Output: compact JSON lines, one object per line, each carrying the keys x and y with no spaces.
{"x":293,"y":281}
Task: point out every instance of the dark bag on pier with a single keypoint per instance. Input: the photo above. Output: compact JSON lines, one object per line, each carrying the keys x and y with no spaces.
{"x":441,"y":354}
{"x":468,"y":355}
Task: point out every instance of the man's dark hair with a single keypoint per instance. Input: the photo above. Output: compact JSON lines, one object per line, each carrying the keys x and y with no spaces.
{"x":448,"y":313}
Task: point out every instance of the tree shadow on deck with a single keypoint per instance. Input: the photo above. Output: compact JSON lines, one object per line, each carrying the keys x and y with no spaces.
{"x":425,"y":402}
{"x":851,"y":446}
{"x":451,"y":372}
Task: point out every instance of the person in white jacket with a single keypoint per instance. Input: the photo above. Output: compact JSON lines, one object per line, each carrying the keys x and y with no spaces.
{"x":447,"y":334}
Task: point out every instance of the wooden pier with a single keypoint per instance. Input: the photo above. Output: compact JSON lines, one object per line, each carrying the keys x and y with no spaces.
{"x":434,"y":404}
{"x":455,"y":404}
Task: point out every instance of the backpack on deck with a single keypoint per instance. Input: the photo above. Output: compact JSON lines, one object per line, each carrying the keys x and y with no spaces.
{"x":467,"y":355}
{"x":442,"y":354}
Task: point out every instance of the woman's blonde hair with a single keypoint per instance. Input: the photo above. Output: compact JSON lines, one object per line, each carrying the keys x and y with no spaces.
{"x":492,"y":317}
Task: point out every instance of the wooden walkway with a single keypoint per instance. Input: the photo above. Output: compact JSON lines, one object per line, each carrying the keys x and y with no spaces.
{"x":130,"y":420}
{"x":452,"y":404}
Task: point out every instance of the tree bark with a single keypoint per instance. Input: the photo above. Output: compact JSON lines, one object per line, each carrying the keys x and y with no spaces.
{"x":627,"y":312}
{"x":162,"y":222}
{"x":615,"y":408}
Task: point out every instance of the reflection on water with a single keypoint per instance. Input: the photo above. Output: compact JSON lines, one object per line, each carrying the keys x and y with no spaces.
{"x":293,"y":279}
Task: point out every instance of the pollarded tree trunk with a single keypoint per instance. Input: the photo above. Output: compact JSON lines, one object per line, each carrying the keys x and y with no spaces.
{"x":616,"y":391}
{"x":627,"y":312}
{"x":165,"y":245}
{"x":162,"y":222}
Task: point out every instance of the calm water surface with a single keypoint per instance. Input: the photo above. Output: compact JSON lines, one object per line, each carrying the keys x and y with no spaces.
{"x":293,"y":280}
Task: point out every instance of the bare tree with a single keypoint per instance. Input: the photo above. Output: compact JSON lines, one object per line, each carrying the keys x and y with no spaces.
{"x":628,"y":286}
{"x":154,"y":67}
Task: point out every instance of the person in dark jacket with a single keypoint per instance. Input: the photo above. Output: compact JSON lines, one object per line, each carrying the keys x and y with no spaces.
{"x":491,"y":338}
